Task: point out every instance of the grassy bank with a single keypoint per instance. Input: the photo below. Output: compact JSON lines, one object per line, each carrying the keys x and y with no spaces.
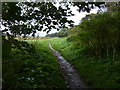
{"x":34,"y":66}
{"x":96,"y":72}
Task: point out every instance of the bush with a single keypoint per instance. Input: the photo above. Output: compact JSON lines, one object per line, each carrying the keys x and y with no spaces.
{"x":101,"y":34}
{"x":61,"y":33}
{"x":31,"y":65}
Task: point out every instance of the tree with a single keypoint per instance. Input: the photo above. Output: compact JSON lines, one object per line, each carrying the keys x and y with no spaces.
{"x":44,"y":16}
{"x":41,"y":14}
{"x":113,"y":6}
{"x":101,"y":34}
{"x":25,"y":18}
{"x":62,"y":33}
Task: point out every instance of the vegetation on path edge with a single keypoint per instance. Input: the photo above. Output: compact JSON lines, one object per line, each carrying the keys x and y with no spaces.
{"x":97,"y":73}
{"x":32,"y":68}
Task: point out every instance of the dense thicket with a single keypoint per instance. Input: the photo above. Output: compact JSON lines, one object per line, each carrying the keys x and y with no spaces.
{"x":30,"y":65}
{"x":100,"y":35}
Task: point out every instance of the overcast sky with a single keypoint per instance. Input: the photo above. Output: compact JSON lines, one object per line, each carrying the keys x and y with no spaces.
{"x":76,"y":18}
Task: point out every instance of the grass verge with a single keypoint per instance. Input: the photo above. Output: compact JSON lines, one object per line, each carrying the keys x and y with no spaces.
{"x":97,"y":73}
{"x":35,"y":66}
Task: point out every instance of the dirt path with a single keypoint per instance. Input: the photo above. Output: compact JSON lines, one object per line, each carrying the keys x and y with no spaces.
{"x":73,"y":79}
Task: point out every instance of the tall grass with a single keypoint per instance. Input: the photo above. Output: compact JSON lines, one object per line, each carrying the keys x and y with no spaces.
{"x":50,"y":62}
{"x":35,"y":68}
{"x":97,"y":73}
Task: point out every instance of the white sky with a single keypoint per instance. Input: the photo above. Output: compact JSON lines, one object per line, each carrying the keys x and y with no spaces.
{"x":76,"y":18}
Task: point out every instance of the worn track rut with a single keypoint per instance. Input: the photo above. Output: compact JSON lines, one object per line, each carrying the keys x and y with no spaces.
{"x":73,"y":80}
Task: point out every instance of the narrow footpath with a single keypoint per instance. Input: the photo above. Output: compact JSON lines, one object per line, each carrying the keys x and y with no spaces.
{"x":73,"y":79}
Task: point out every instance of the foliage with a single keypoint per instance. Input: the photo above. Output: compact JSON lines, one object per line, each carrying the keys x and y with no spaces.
{"x":72,"y":33}
{"x":17,"y":16}
{"x":94,"y":49}
{"x":100,"y":35}
{"x":113,"y":6}
{"x":96,"y":73}
{"x":32,"y":66}
{"x":87,"y":6}
{"x":61,"y":33}
{"x":40,"y":13}
{"x":6,"y":45}
{"x":73,"y":30}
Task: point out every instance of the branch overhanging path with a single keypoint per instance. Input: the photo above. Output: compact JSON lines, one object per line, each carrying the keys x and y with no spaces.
{"x":73,"y":80}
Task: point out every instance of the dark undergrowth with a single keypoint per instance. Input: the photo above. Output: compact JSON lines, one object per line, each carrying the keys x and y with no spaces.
{"x":33,"y":65}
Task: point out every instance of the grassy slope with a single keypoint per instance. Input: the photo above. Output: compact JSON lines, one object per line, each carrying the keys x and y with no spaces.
{"x":96,"y":73}
{"x":39,"y":69}
{"x":51,"y":64}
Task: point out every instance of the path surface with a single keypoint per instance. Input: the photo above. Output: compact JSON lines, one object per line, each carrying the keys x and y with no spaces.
{"x":73,"y":79}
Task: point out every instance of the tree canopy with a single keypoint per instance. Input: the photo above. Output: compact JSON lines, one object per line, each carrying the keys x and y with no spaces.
{"x":28,"y":17}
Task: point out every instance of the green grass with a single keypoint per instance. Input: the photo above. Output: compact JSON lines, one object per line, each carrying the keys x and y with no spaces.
{"x":37,"y":67}
{"x":96,"y":73}
{"x":32,"y":68}
{"x":50,"y":63}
